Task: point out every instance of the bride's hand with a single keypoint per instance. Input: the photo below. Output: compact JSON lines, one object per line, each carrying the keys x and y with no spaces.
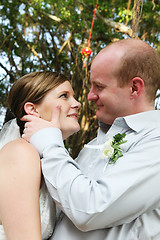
{"x":34,"y":124}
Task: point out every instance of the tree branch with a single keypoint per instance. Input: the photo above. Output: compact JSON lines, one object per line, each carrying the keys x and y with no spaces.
{"x":110,"y":23}
{"x":116,"y":25}
{"x":12,"y":78}
{"x":65,"y":43}
{"x":52,"y":17}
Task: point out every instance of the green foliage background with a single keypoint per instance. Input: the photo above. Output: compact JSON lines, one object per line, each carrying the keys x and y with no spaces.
{"x":49,"y":35}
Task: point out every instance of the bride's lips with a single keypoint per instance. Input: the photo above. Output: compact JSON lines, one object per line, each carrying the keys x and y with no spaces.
{"x":73,"y":115}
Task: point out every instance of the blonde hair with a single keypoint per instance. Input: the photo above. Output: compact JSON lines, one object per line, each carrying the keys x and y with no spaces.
{"x":33,"y":88}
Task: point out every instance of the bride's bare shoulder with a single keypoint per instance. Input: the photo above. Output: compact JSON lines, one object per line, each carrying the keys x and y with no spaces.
{"x":18,"y":150}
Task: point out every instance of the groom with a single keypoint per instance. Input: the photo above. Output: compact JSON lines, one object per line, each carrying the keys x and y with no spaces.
{"x":114,"y":197}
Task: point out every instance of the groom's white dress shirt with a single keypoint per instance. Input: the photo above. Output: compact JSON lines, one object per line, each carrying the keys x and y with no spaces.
{"x":118,"y":202}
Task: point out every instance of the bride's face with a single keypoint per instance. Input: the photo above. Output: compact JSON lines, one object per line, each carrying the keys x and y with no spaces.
{"x":63,"y":95}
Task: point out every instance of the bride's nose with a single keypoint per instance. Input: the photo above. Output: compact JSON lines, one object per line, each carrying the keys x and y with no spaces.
{"x":76,"y":104}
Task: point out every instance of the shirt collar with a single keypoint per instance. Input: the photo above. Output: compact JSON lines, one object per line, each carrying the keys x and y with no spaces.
{"x":143,"y":120}
{"x":103,"y":129}
{"x":136,"y":122}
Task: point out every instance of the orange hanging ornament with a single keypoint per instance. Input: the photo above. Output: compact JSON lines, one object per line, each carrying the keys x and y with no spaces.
{"x":86,"y":51}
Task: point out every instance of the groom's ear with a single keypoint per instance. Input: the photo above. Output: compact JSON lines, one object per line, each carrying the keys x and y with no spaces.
{"x":31,"y":109}
{"x":137,"y":87}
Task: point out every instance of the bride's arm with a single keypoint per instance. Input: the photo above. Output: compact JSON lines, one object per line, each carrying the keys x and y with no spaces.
{"x":20,"y":175}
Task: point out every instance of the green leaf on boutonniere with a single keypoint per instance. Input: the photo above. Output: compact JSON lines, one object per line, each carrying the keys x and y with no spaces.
{"x":117,"y":141}
{"x":110,"y":150}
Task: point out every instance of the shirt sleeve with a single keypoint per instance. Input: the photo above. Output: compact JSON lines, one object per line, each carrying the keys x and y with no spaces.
{"x":120,"y":195}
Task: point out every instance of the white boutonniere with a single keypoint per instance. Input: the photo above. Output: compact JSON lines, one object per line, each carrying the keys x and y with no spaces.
{"x":111,"y":149}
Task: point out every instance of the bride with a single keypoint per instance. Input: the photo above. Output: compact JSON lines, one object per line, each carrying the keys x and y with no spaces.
{"x":26,"y":208}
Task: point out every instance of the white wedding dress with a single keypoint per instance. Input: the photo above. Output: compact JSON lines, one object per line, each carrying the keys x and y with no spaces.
{"x":10,"y":132}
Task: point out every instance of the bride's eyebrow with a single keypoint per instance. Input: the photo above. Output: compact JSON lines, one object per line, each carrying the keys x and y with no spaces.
{"x":64,"y":91}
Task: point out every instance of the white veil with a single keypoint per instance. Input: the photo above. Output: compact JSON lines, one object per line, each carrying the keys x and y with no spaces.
{"x":9,"y":132}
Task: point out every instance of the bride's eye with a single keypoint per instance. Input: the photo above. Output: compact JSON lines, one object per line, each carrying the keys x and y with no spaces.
{"x":64,"y":95}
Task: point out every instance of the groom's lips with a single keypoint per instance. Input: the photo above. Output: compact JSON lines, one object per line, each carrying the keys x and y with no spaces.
{"x":99,"y":106}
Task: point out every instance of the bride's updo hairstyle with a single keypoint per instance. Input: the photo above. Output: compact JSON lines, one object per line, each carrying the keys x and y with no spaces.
{"x":33,"y":88}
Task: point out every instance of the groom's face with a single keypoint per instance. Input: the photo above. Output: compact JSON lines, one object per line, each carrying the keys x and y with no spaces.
{"x":63,"y":96}
{"x":111,"y":100}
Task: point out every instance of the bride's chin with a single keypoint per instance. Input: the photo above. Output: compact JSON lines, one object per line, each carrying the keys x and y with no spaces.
{"x":68,"y":133}
{"x":77,"y":128}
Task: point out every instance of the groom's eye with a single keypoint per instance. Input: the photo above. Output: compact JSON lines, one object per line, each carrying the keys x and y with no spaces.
{"x":99,"y":87}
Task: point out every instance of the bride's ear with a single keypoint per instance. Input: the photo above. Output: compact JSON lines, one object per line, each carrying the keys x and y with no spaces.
{"x":31,"y":109}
